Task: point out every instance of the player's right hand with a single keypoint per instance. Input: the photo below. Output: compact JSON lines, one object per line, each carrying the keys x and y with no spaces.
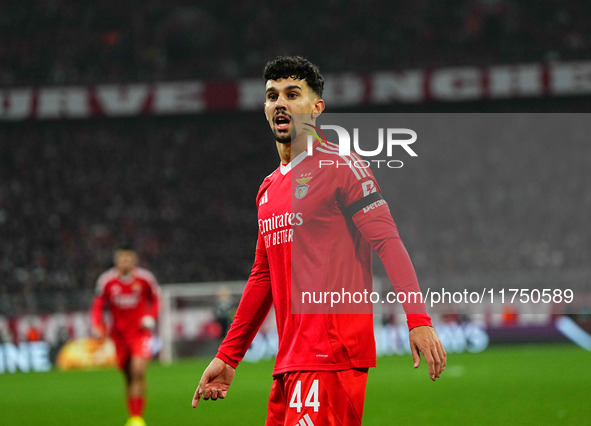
{"x":99,"y":332}
{"x":215,"y":382}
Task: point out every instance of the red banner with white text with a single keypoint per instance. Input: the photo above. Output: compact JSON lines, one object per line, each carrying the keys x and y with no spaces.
{"x":341,"y":90}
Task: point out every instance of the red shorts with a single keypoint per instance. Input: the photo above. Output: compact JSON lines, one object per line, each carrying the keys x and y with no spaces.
{"x":139,"y":345}
{"x":317,"y":398}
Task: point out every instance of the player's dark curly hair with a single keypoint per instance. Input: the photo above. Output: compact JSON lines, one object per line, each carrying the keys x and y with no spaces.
{"x":295,"y":67}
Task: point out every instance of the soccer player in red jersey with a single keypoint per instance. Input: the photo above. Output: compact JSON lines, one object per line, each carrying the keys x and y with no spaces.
{"x":132,"y":295}
{"x":317,"y":229}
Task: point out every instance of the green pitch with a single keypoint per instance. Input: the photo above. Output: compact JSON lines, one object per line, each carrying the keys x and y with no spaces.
{"x":517,"y":385}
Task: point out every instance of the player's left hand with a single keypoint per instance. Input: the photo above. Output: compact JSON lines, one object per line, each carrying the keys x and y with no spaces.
{"x":148,"y":323}
{"x":424,"y":339}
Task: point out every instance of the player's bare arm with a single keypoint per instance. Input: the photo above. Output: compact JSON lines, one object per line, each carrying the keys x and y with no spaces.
{"x":424,"y":340}
{"x":215,"y":382}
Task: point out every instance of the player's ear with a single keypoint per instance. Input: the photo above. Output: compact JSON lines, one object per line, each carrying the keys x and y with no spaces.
{"x":318,"y":107}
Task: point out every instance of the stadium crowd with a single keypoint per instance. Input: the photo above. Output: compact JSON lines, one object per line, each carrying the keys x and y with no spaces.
{"x":84,"y":42}
{"x":182,"y":191}
{"x":69,"y":192}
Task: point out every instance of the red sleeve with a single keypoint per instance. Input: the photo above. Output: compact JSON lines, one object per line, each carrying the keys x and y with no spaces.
{"x":154,"y":296}
{"x":100,"y":299}
{"x":382,"y":234}
{"x":96,"y":311}
{"x":253,"y":309}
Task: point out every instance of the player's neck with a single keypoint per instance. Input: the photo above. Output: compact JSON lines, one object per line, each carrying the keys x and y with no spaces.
{"x":289,"y":151}
{"x":125,"y":276}
{"x":284,"y":151}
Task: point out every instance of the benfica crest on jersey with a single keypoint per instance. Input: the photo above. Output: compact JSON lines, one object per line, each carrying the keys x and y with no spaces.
{"x":302,"y":188}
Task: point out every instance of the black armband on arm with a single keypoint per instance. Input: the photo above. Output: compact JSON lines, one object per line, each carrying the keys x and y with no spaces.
{"x":363,"y":202}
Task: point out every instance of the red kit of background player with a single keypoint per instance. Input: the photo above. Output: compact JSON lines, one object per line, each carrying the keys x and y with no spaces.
{"x":132,"y":296}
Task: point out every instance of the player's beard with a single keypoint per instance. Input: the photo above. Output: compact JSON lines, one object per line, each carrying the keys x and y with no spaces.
{"x":284,"y":137}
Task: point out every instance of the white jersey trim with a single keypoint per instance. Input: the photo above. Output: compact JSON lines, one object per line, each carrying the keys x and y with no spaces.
{"x":105,"y":278}
{"x":333,"y":147}
{"x":286,"y":168}
{"x":150,"y":279}
{"x":112,"y":274}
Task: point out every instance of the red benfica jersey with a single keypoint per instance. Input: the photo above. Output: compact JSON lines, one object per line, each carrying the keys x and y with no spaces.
{"x":129,"y":299}
{"x":309,"y":215}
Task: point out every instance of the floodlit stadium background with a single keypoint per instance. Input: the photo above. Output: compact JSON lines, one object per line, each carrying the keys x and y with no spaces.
{"x":142,"y":122}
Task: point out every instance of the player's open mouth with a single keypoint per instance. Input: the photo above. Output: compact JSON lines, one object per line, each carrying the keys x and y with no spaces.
{"x":282,"y":122}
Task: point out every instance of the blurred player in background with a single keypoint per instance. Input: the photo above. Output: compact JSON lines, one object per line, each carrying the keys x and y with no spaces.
{"x":132,"y":295}
{"x":322,"y":362}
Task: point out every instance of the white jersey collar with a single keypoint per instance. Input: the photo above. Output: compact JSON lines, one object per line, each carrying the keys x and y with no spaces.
{"x":286,"y":168}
